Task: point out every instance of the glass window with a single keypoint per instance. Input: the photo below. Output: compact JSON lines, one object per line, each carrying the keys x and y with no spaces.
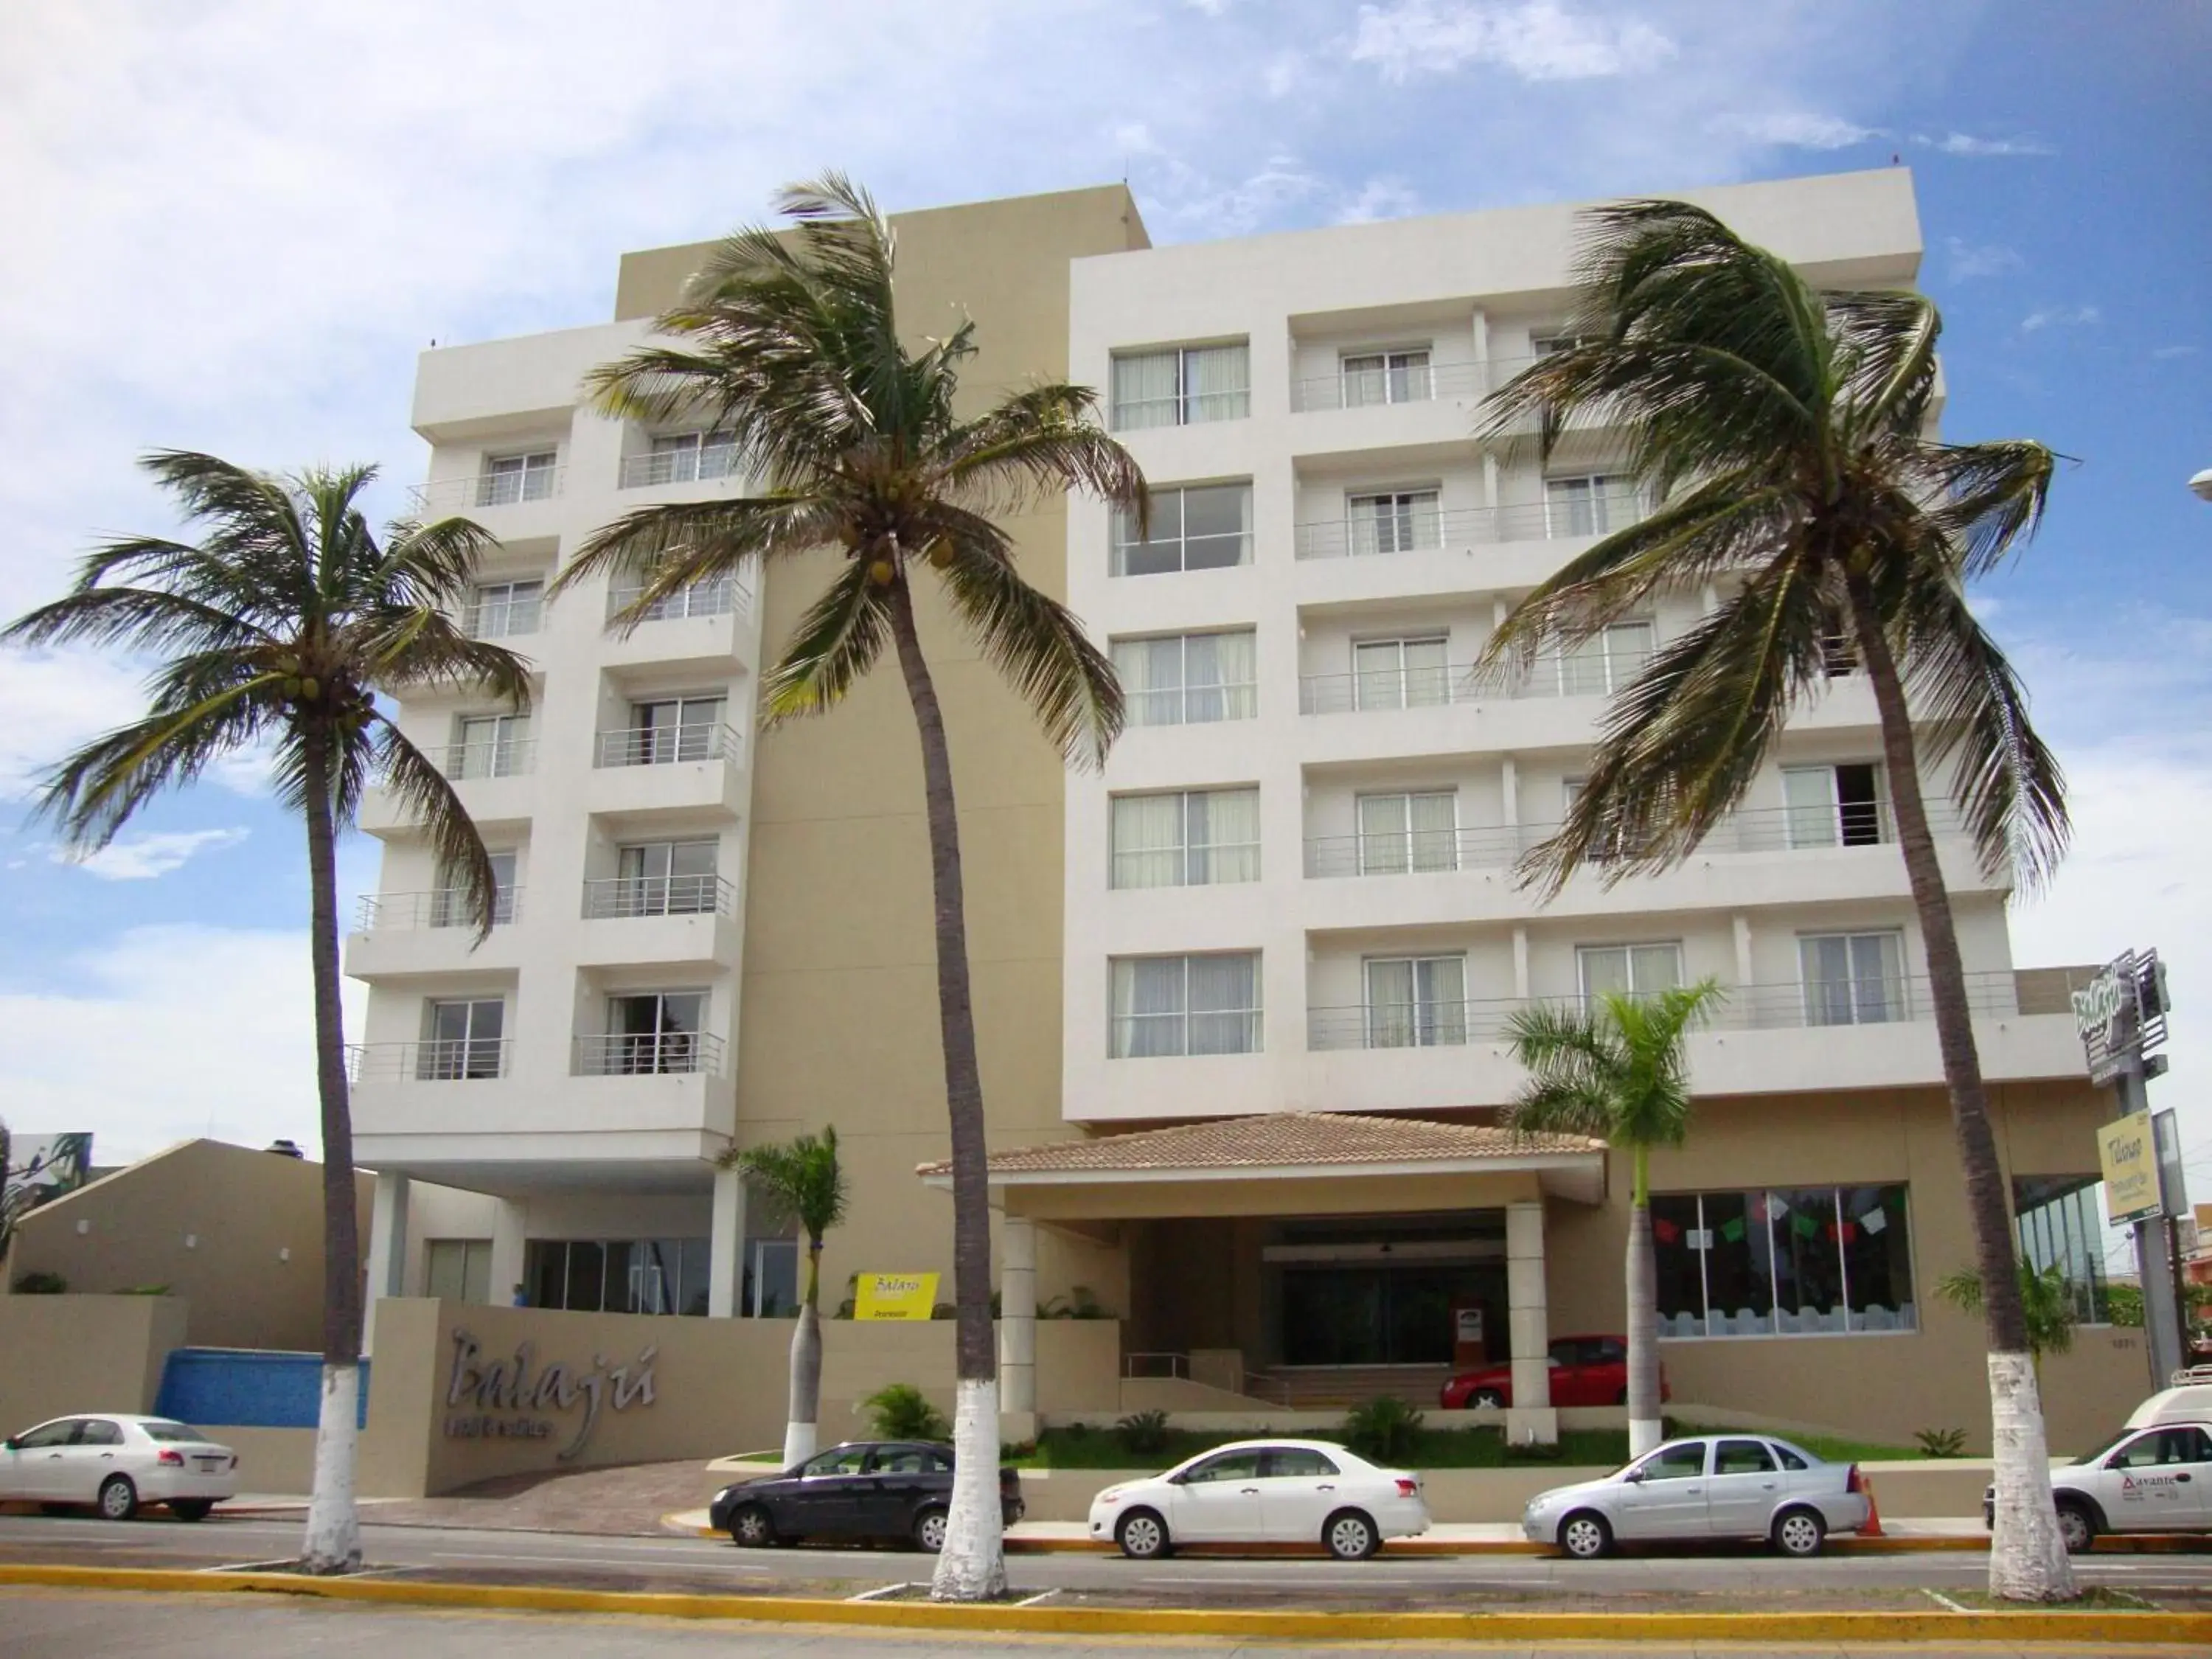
{"x":172,"y":1433}
{"x":463,"y":1040}
{"x":1228,"y":1466}
{"x":1742,"y":1457}
{"x":1681,"y":1266}
{"x":1194,"y":527}
{"x":49,"y":1434}
{"x":449,"y":906}
{"x":662,"y":879}
{"x":2059,"y":1224}
{"x":1809,"y":1261}
{"x":1596,"y":505}
{"x":1877,"y":1264}
{"x":1188,"y":678}
{"x":682,"y":457}
{"x":1607,"y":661}
{"x":2160,"y":1447}
{"x":1385,"y":377}
{"x":1638,"y":970}
{"x":1835,"y":805}
{"x":1399,"y":833}
{"x":509,"y":478}
{"x":838,"y":1459}
{"x":1289,"y":1462}
{"x":1416,"y":1002}
{"x":771,"y":1288}
{"x":902,"y":1460}
{"x":1853,"y":979}
{"x":1790,"y":1261}
{"x":1395,"y":521}
{"x":1683,"y":1463}
{"x":655,"y":1031}
{"x":1791,"y":1457}
{"x":1200,"y":1004}
{"x":498,"y":609}
{"x":1408,"y":673}
{"x":457,"y":1269}
{"x":1181,"y":386}
{"x":99,"y":1431}
{"x":671,"y":729}
{"x":1197,"y":838}
{"x":489,"y":746}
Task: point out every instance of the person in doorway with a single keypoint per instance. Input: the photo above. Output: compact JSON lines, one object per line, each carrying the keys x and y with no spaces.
{"x":521,"y":1297}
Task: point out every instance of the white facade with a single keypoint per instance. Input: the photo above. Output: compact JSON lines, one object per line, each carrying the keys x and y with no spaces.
{"x":1381,"y":544}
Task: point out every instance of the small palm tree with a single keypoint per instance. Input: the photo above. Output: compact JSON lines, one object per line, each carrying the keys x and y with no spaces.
{"x":1614,"y":1069}
{"x":280,"y":627}
{"x":791,"y":345}
{"x":2045,"y":1297}
{"x":1783,"y":432}
{"x":805,"y":1178}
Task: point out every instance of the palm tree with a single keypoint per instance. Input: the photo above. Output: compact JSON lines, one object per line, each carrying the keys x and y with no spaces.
{"x":790,"y":344}
{"x":279,"y":628}
{"x":1783,"y":431}
{"x":1614,"y":1070}
{"x":805,"y":1176}
{"x":2046,"y":1298}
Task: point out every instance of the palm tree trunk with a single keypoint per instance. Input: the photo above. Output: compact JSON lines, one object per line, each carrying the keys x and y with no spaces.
{"x":972,"y":1565}
{"x":333,"y":1540}
{"x":1645,"y":1426}
{"x":799,"y":1434}
{"x":2027,"y":1558}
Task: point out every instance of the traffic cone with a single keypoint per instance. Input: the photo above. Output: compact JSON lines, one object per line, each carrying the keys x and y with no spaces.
{"x":1873,"y":1528}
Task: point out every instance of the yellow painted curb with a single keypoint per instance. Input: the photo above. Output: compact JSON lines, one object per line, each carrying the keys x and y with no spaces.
{"x":2078,"y":1628}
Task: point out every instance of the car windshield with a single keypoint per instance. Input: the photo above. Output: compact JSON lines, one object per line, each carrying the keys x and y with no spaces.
{"x":2104,"y":1449}
{"x":163,"y":1429}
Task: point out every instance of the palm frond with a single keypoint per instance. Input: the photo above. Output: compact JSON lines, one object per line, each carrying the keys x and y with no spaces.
{"x":422,"y":790}
{"x":432,"y":564}
{"x":805,"y":1174}
{"x":1039,"y":444}
{"x":1992,"y":497}
{"x":136,"y":618}
{"x":836,"y":641}
{"x":667,"y":549}
{"x":93,"y":793}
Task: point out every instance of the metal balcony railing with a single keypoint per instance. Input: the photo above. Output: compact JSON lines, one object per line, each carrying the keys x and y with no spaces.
{"x":1878,"y":999}
{"x":1371,"y":388}
{"x":723,"y":598}
{"x":614,"y":897}
{"x":443,"y":1059}
{"x":665,"y":746}
{"x":486,"y":489}
{"x":647,"y":1054}
{"x":676,"y":466}
{"x":443,"y":906}
{"x":502,"y":619}
{"x":499,"y":758}
{"x":1377,"y":690}
{"x":1429,"y":530}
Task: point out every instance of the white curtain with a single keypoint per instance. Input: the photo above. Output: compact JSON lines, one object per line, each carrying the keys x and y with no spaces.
{"x":1224,"y":836}
{"x":1150,"y":672}
{"x":1853,"y":979}
{"x":1224,"y":1004}
{"x":1382,"y":849}
{"x":1144,"y":391}
{"x":1427,"y":684}
{"x":1810,"y":794}
{"x":1148,"y":1006}
{"x":1390,"y":1003}
{"x":1221,"y":672}
{"x":1217,"y":383}
{"x":1379,"y":669}
{"x":1434,"y":820}
{"x":1148,"y":843}
{"x":1440,"y":983}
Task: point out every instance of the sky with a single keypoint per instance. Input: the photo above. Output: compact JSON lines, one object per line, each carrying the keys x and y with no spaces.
{"x":234,"y":225}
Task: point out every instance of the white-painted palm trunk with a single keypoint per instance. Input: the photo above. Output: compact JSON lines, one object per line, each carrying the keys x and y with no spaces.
{"x":972,"y":1565}
{"x":799,"y":1433}
{"x":1646,"y":1428}
{"x":333,"y":1542}
{"x":2027,"y":1554}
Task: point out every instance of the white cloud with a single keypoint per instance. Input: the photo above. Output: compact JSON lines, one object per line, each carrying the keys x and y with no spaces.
{"x":2167,"y":354}
{"x":55,"y":701}
{"x":2060,"y":317}
{"x":1968,"y":261}
{"x":1380,"y":198}
{"x":144,"y":857}
{"x":1285,"y":73}
{"x":1798,"y":130}
{"x":1536,"y":39}
{"x":1960,"y":143}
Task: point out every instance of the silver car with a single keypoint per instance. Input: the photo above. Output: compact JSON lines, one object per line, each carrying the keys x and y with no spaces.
{"x":1721,"y":1486}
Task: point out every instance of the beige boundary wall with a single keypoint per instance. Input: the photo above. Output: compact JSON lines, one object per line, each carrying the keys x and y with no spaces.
{"x":84,"y":1353}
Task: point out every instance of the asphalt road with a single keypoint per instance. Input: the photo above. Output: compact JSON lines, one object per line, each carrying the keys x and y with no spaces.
{"x":713,"y":1565}
{"x":64,"y":1624}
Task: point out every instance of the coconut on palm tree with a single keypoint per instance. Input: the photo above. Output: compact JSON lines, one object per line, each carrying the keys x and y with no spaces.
{"x":278,"y":629}
{"x":1614,"y":1069}
{"x":803,"y":1177}
{"x":1783,"y":433}
{"x":855,"y":442}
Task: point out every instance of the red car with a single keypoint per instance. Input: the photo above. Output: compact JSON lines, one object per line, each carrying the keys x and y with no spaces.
{"x":1586,"y":1370}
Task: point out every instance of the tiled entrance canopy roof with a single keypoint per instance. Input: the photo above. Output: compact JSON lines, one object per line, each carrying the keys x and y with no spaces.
{"x":1278,"y":1140}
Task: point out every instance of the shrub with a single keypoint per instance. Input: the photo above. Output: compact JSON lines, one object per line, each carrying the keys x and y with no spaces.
{"x":1143,"y":1432}
{"x":41,"y":1284}
{"x":899,"y":1411}
{"x":1384,"y":1428}
{"x":1080,"y":1303}
{"x":1941,"y":1442}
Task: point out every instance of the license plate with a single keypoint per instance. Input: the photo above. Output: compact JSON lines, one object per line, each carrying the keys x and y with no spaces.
{"x":208,"y":1463}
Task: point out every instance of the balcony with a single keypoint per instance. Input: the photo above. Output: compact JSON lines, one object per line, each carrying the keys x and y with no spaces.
{"x":498,"y":758}
{"x":455,"y":1059}
{"x":710,"y":463}
{"x":502,"y":619}
{"x":441,"y":908}
{"x":442,"y":497}
{"x":666,"y":745}
{"x":398,"y":934}
{"x":658,"y":895}
{"x":725,"y":597}
{"x":1376,"y":535}
{"x":494,"y":774}
{"x":664,"y":1054}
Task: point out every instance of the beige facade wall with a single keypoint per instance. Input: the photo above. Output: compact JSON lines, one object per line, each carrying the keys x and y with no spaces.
{"x":235,"y":1234}
{"x":84,"y":1353}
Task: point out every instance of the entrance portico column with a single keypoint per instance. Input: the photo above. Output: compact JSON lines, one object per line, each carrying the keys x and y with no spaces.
{"x":507,"y":1219}
{"x":387,"y":1247}
{"x":726,"y":1244}
{"x":1018,"y":1318}
{"x":1531,"y":1416}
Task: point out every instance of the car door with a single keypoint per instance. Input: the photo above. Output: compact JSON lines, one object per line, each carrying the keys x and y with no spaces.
{"x":2153,"y":1482}
{"x":1742,"y":1490}
{"x":1218,"y":1501}
{"x":1667,"y":1497}
{"x":1605,"y":1372}
{"x":1564,"y":1359}
{"x":1299,"y":1490}
{"x":826,"y":1497}
{"x":35,"y":1466}
{"x":897,"y":1476}
{"x":96,"y":1452}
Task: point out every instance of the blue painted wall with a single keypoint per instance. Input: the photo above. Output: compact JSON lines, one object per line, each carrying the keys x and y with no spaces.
{"x":246,"y":1388}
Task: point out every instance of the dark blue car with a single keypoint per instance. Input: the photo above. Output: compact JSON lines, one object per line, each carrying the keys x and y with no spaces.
{"x":867,"y":1489}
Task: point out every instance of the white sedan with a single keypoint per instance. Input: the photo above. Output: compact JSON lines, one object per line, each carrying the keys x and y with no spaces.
{"x":116,"y":1462}
{"x":1264,"y":1491}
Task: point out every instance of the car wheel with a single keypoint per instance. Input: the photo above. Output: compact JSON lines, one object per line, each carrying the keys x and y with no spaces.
{"x":1800,"y":1532}
{"x":751,"y":1529}
{"x":191,"y":1509}
{"x":929,"y":1531}
{"x":1351,"y":1536}
{"x":1492,"y":1398}
{"x":2077,"y":1526}
{"x":118,"y":1499}
{"x":1585,"y":1536}
{"x":1142,"y":1535}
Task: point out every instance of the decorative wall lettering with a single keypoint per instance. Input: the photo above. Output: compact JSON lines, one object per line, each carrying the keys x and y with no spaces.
{"x":492,"y":1387}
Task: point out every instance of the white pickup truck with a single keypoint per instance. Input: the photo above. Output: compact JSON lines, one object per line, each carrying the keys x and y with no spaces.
{"x":2154,"y":1475}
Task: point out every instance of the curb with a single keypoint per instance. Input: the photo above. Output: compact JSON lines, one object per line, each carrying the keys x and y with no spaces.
{"x":2077,"y":1628}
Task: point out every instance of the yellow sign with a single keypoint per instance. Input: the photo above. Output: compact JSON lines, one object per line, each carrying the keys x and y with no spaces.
{"x":895,"y":1296}
{"x":2129,"y":1158}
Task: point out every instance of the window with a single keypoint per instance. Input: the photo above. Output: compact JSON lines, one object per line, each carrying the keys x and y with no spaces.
{"x":1853,"y":979}
{"x":1188,"y":678}
{"x":1207,"y":1005}
{"x":838,"y":1459}
{"x":490,"y":746}
{"x":617,"y":1275}
{"x":457,"y":1269}
{"x":499,"y":609}
{"x":656,"y":1031}
{"x":1393,"y":521}
{"x":1197,"y":527}
{"x":463,"y":1040}
{"x":2160,"y":1447}
{"x":1197,"y":838}
{"x":908,"y":1460}
{"x":1416,"y":1002}
{"x":1636,"y":970}
{"x":662,"y":879}
{"x":1408,"y":832}
{"x":509,"y":478}
{"x":671,"y":729}
{"x":1742,"y":1457}
{"x":1408,"y":673}
{"x":1297,"y":1463}
{"x":1385,"y":377}
{"x":1683,"y":1463}
{"x":1836,"y":805}
{"x":99,"y":1431}
{"x":683,"y":457}
{"x":449,"y":905}
{"x":49,"y":1434}
{"x":1607,"y":661}
{"x":1595,"y":505}
{"x":1787,"y":1262}
{"x":1551,"y":345}
{"x":171,"y":1433}
{"x":1181,"y":386}
{"x":2059,"y":1224}
{"x":1230,"y":1466}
